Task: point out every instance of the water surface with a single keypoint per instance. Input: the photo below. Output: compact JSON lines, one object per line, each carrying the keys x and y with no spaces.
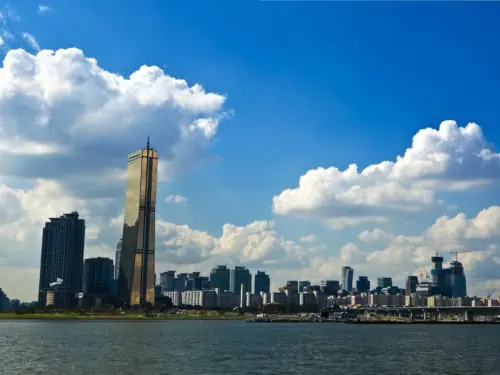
{"x":235,"y":347}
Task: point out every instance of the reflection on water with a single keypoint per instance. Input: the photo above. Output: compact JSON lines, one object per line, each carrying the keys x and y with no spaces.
{"x":234,"y":347}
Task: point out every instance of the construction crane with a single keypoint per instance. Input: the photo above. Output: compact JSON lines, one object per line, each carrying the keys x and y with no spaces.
{"x":490,"y":293}
{"x":456,"y":254}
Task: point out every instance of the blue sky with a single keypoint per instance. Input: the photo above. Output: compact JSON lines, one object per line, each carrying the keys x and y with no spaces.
{"x":311,"y":84}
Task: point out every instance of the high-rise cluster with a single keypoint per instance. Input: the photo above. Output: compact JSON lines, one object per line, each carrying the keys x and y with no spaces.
{"x":65,"y":278}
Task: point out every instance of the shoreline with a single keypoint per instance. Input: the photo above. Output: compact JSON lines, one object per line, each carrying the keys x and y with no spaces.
{"x":11,"y":317}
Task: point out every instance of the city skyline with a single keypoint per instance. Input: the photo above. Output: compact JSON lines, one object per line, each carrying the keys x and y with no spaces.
{"x":297,"y":157}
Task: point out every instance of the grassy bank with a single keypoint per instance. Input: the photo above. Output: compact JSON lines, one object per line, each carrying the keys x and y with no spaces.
{"x":131,"y":316}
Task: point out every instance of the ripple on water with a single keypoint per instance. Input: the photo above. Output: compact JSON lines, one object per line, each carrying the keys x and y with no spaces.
{"x":234,"y":347}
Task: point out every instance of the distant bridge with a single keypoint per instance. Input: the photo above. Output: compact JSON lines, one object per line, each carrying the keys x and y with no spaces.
{"x":425,"y":312}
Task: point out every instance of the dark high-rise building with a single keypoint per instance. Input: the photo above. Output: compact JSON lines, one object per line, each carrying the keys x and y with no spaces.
{"x":97,"y":277}
{"x":292,"y":285}
{"x":62,"y":257}
{"x":137,"y":263}
{"x":363,"y":284}
{"x":411,"y":285}
{"x":384,"y":282}
{"x":238,"y":276}
{"x":458,"y":281}
{"x":180,"y":282}
{"x":117,"y":259}
{"x":219,"y":278}
{"x":4,"y":301}
{"x":303,"y":284}
{"x":261,"y":282}
{"x":167,"y":281}
{"x":347,"y":276}
{"x":330,"y":287}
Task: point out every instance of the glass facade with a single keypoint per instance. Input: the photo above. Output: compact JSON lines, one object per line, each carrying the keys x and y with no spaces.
{"x":238,"y":276}
{"x":363,"y":284}
{"x":137,"y":261}
{"x":98,"y":277}
{"x":262,"y":282}
{"x":219,"y":278}
{"x":384,"y":282}
{"x":347,"y":276}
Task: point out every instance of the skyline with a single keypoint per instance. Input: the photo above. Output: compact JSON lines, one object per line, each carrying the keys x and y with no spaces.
{"x":297,"y":147}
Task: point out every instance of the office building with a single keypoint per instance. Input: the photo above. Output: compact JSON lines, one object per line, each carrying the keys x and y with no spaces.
{"x":363,"y":284}
{"x":411,"y":285}
{"x":240,"y":275}
{"x":330,"y":287}
{"x":261,"y":283}
{"x":347,"y":276}
{"x":137,"y":263}
{"x":458,"y":281}
{"x":167,"y":281}
{"x":448,"y":282}
{"x":180,"y":282}
{"x":303,"y":284}
{"x":117,"y":259}
{"x":97,"y":277}
{"x":292,"y":285}
{"x":220,"y":278}
{"x":63,"y":241}
{"x":384,"y":282}
{"x":4,"y":301}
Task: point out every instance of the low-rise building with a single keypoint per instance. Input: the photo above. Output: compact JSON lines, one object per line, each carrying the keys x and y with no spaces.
{"x":202,"y":298}
{"x":175,"y":296}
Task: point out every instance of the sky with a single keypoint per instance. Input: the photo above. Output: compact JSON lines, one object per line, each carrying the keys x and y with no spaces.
{"x":294,"y":137}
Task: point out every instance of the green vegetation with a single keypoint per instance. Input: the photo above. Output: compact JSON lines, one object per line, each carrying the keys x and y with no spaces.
{"x":178,"y":315}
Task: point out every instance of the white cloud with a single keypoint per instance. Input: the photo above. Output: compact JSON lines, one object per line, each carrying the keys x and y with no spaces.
{"x":2,"y":42}
{"x":310,"y":238}
{"x":343,"y":222}
{"x":450,"y":158}
{"x":450,"y":230}
{"x":254,"y":244}
{"x":375,"y":234}
{"x":30,"y":39}
{"x":43,"y":9}
{"x":176,"y":198}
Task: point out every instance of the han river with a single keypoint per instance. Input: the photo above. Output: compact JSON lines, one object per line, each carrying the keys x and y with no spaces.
{"x":235,"y":347}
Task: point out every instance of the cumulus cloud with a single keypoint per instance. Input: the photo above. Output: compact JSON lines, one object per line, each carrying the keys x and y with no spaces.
{"x":61,"y":106}
{"x":42,"y":9}
{"x":485,"y":225}
{"x":254,"y":244}
{"x":375,"y":234}
{"x":310,"y":238}
{"x":30,"y":39}
{"x":176,"y":198}
{"x":449,"y":158}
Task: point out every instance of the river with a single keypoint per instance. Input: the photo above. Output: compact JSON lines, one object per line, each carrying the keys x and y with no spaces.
{"x":235,"y":347}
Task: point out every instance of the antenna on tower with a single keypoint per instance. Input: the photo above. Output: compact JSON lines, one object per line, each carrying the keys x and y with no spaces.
{"x":456,"y":254}
{"x":147,"y":144}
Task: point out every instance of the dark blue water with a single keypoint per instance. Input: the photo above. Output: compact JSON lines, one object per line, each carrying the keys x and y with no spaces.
{"x":234,"y":347}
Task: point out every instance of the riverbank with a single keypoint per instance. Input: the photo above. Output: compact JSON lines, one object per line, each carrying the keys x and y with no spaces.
{"x":71,"y":316}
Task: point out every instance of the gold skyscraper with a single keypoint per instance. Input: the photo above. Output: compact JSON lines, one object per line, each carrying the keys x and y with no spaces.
{"x":137,"y":263}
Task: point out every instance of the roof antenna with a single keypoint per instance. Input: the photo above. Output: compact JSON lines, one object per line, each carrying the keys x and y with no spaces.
{"x":147,"y":145}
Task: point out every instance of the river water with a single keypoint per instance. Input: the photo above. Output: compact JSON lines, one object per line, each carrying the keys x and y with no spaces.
{"x":235,"y":347}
